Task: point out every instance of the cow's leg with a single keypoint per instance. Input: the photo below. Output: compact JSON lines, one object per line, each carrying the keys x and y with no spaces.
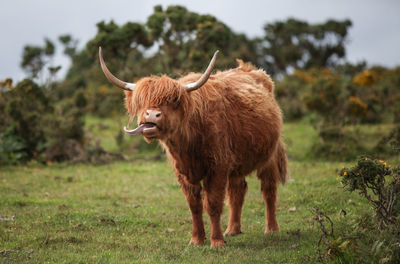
{"x":193,"y":197}
{"x":237,"y":188}
{"x":269,"y":176}
{"x":214,"y":187}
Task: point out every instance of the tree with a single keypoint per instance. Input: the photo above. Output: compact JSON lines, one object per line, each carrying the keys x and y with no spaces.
{"x":70,"y":45}
{"x":118,"y":42}
{"x":187,"y":40}
{"x":172,"y":41}
{"x":35,"y":58}
{"x":296,"y":44}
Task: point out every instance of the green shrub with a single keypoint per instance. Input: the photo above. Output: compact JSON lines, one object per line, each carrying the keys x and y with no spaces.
{"x":327,"y":96}
{"x":335,"y":143}
{"x":379,"y":184}
{"x":387,"y":90}
{"x":288,"y":92}
{"x":377,"y":239}
{"x":12,"y":148}
{"x":365,"y":238}
{"x":34,"y":127}
{"x":25,"y":107}
{"x":371,"y":96}
{"x":389,"y":144}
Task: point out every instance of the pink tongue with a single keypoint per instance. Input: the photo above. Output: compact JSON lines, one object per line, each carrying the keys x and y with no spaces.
{"x":139,"y":129}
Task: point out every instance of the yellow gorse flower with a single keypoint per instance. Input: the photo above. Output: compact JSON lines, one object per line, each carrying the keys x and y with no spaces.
{"x":357,"y":106}
{"x":365,"y":78}
{"x":304,"y":76}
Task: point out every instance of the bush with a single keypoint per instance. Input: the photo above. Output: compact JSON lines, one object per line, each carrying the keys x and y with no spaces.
{"x":366,"y":239}
{"x":22,"y":128}
{"x":379,"y":184}
{"x":288,"y":92}
{"x":12,"y":148}
{"x":389,"y":144}
{"x":371,"y":96}
{"x":376,"y":239}
{"x":327,"y":96}
{"x":335,"y":143}
{"x":33,"y":126}
{"x":387,"y":89}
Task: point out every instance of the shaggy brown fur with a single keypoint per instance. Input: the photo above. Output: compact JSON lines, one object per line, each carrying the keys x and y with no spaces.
{"x":214,"y":137}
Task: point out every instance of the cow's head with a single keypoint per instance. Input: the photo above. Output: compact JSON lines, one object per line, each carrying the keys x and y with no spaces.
{"x":162,"y":105}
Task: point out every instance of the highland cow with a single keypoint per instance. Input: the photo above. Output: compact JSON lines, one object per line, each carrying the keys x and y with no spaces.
{"x":216,"y":129}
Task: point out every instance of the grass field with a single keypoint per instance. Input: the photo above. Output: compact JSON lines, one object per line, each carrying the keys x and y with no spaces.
{"x":128,"y":212}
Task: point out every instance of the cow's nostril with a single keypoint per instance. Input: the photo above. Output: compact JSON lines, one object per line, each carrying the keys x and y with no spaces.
{"x":153,"y":114}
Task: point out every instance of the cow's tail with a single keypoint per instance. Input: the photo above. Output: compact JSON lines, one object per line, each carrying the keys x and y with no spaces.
{"x":282,"y":162}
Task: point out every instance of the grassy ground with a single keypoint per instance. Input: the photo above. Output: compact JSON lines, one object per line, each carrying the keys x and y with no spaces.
{"x":128,"y":212}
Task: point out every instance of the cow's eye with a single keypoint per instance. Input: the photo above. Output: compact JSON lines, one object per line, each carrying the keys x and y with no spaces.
{"x":176,"y":101}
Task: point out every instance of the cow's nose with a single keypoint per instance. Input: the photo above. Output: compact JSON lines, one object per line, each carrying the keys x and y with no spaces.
{"x":153,"y":115}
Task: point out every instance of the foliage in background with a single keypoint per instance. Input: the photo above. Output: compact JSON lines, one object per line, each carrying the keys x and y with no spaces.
{"x":34,"y":58}
{"x":337,"y":143}
{"x":187,"y":40}
{"x":307,"y":59}
{"x":389,"y":144}
{"x":294,"y":44}
{"x":22,"y":121}
{"x":334,"y":100}
{"x":173,"y":41}
{"x":33,"y":126}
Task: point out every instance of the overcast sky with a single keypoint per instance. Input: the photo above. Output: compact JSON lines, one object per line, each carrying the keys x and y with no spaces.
{"x":374,"y":36}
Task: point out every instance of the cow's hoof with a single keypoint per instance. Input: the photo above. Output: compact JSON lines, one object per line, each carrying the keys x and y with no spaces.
{"x":273,"y":229}
{"x":196,"y":241}
{"x":232,"y":232}
{"x":217,"y":243}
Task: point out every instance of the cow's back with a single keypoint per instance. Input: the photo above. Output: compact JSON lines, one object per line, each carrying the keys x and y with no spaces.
{"x":240,"y":119}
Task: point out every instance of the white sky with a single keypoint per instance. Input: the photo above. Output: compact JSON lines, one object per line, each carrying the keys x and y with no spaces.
{"x":374,"y":36}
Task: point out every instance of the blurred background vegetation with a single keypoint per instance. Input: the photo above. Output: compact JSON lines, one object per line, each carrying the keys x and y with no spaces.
{"x":48,"y":120}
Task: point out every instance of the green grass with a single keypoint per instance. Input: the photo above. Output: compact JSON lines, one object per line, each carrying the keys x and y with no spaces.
{"x":128,"y":212}
{"x":299,"y":138}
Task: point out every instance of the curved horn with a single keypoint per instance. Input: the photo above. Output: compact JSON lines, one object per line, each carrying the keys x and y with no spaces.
{"x":114,"y":80}
{"x":203,"y":79}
